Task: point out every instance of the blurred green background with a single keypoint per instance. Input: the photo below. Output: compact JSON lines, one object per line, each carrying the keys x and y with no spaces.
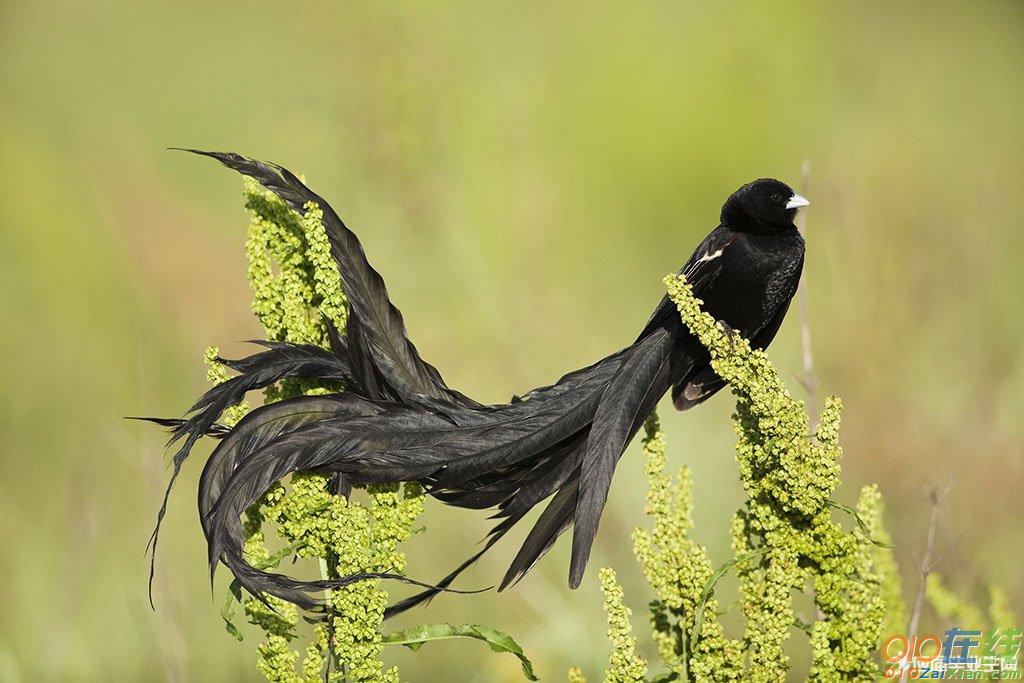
{"x":523,"y":175}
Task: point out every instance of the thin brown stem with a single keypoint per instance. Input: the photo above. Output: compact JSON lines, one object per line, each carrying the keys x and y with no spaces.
{"x":807,"y":380}
{"x":925,"y":566}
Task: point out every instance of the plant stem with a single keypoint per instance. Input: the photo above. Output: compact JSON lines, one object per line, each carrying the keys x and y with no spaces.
{"x":925,"y":567}
{"x":808,"y":380}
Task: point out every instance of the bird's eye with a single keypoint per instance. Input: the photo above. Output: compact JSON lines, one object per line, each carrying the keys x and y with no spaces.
{"x":776,"y":197}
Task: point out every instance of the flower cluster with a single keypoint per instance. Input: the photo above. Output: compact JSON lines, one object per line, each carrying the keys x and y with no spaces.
{"x":960,"y":610}
{"x":626,"y":666}
{"x":295,"y":282}
{"x":344,"y":536}
{"x":786,"y":535}
{"x":784,"y":539}
{"x":678,"y":569}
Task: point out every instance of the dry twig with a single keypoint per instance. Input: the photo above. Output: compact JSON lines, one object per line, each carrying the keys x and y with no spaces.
{"x":807,"y":379}
{"x":925,"y":564}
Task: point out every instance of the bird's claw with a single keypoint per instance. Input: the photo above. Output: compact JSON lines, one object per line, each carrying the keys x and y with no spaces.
{"x":730,"y":333}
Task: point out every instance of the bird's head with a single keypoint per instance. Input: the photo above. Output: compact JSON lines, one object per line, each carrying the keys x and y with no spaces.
{"x":764,"y":206}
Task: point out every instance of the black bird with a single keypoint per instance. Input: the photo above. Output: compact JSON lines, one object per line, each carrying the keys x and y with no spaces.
{"x":397,"y":420}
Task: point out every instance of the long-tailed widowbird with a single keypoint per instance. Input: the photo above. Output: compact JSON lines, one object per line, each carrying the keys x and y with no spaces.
{"x":397,"y":420}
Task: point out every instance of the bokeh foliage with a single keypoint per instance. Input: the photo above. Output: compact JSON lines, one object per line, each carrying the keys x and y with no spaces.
{"x":521,"y":175}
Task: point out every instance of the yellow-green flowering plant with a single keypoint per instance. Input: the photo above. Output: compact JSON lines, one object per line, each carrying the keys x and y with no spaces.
{"x":296,"y":292}
{"x":949,"y":605}
{"x":784,"y":541}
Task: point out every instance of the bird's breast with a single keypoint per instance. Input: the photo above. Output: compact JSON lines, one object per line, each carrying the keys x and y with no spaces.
{"x":758,"y":276}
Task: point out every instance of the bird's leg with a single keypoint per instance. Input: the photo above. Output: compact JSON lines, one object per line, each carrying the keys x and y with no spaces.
{"x":730,"y":333}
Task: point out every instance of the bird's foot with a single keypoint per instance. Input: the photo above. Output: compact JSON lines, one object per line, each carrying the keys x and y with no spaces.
{"x":730,"y":333}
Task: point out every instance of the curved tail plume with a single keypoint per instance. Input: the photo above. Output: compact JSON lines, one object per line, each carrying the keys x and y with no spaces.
{"x":397,"y":420}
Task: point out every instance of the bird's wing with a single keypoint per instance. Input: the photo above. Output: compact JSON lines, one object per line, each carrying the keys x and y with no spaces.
{"x":701,"y":270}
{"x":706,"y":382}
{"x":382,"y":337}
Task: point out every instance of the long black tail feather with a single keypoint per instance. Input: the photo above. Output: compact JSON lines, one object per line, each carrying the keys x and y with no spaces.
{"x":383,"y":337}
{"x":298,"y":592}
{"x":216,"y":430}
{"x":535,"y":447}
{"x":397,"y":420}
{"x":259,"y":428}
{"x":280,"y":360}
{"x":493,"y":537}
{"x":556,"y":518}
{"x":631,"y":396}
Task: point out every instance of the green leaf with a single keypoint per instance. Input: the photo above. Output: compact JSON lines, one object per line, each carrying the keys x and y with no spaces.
{"x":860,"y":522}
{"x":233,"y":630}
{"x":234,"y":597}
{"x":666,"y":677}
{"x":227,"y":612}
{"x":414,"y":638}
{"x":709,"y":588}
{"x":275,"y":559}
{"x":804,"y":626}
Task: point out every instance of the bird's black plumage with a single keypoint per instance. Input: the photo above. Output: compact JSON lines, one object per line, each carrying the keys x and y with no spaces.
{"x":397,"y":420}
